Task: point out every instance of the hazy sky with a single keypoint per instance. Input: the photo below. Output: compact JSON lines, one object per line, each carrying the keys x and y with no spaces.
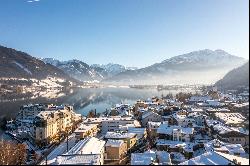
{"x":129,"y":32}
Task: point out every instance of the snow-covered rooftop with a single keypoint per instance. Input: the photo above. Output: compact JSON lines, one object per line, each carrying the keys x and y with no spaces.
{"x":146,"y":114}
{"x":89,"y":145}
{"x":217,"y":145}
{"x":136,"y":130}
{"x":242,"y":160}
{"x":241,"y":105}
{"x":218,"y":126}
{"x":90,"y":159}
{"x":196,"y":110}
{"x":116,"y":135}
{"x":230,"y":118}
{"x":85,"y":127}
{"x":165,"y":129}
{"x":187,"y":146}
{"x":145,"y":158}
{"x":153,"y":124}
{"x":209,"y":158}
{"x":99,"y":120}
{"x":114,"y":143}
{"x":164,"y":157}
{"x":199,"y":98}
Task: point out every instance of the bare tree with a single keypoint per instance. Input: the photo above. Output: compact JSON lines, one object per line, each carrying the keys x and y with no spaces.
{"x":12,"y":153}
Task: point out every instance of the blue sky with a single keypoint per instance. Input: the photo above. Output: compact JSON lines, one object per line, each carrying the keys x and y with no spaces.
{"x":129,"y":32}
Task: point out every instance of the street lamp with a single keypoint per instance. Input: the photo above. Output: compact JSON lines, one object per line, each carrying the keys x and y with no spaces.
{"x":67,"y":137}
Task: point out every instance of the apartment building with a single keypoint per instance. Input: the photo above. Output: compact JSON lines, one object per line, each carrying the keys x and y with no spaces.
{"x":28,"y":112}
{"x":51,"y":124}
{"x":115,"y":150}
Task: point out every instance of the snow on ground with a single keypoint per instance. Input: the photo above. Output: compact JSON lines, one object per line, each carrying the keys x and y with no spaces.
{"x":49,"y":82}
{"x":62,"y":148}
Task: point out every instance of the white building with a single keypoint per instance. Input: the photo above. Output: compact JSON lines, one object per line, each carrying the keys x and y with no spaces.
{"x":175,"y":133}
{"x":113,"y":123}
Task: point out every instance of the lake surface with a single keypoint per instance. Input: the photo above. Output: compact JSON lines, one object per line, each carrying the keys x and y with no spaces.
{"x":84,"y":99}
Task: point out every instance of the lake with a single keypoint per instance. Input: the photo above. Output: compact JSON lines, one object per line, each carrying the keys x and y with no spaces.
{"x":83,"y":99}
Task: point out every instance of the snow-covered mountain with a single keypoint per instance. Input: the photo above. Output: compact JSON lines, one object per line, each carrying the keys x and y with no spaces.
{"x":205,"y":56}
{"x":77,"y":69}
{"x":20,"y":65}
{"x":113,"y":69}
{"x":84,"y":72}
{"x":203,"y":66}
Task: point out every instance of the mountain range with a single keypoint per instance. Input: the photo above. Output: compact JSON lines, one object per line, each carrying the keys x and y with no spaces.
{"x":84,"y":72}
{"x":235,"y":78}
{"x":202,"y":66}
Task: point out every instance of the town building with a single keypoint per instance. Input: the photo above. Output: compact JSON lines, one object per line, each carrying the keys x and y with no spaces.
{"x":175,"y":133}
{"x":150,"y":116}
{"x":129,"y":138}
{"x":141,"y":134}
{"x":113,"y":123}
{"x":115,"y":151}
{"x":85,"y":130}
{"x":51,"y":124}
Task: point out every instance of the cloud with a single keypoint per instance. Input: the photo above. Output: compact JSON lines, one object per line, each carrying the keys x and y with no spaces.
{"x":31,"y":1}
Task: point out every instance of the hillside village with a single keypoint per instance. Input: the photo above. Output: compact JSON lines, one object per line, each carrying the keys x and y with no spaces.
{"x":212,"y":128}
